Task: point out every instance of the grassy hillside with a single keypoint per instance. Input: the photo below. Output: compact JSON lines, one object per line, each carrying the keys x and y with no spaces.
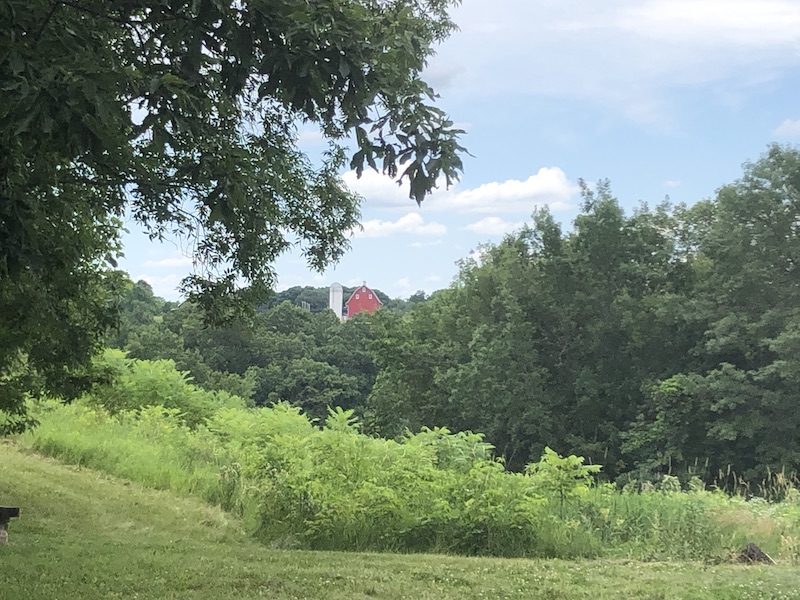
{"x":87,"y":536}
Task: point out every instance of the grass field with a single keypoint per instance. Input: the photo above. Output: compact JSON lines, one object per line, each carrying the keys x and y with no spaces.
{"x":83,"y":535}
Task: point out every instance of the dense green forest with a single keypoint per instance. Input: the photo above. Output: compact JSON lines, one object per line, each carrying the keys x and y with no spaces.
{"x":664,"y":340}
{"x":284,"y":353}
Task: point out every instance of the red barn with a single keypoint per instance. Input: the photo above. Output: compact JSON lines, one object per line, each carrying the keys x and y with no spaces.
{"x":362,"y":299}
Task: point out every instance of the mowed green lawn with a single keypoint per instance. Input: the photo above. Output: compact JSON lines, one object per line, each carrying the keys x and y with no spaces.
{"x":83,"y":535}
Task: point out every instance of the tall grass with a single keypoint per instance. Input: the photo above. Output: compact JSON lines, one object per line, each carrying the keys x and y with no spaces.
{"x":96,"y":539}
{"x":300,"y":484}
{"x":149,"y":446}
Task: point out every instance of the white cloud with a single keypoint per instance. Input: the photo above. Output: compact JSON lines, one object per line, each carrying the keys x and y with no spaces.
{"x":672,"y":183}
{"x":412,"y":223}
{"x":378,"y":190}
{"x":442,"y":75}
{"x":165,"y":274}
{"x":494,"y":226}
{"x":789,"y":129}
{"x":633,"y":57}
{"x":753,"y":23}
{"x":406,"y":286}
{"x":549,"y":186}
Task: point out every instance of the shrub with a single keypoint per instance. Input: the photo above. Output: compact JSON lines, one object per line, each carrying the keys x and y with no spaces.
{"x":134,"y":384}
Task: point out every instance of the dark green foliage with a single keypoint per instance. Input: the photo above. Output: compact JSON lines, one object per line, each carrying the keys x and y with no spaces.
{"x":307,"y":383}
{"x":184,"y":113}
{"x":283,"y":354}
{"x":196,"y":102}
{"x":541,"y":343}
{"x":317,"y":297}
{"x":735,"y":404}
{"x":660,"y":340}
{"x":139,"y":308}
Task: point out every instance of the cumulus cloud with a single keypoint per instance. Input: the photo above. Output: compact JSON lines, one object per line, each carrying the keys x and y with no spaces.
{"x":407,"y":286}
{"x":494,"y":226}
{"x":442,"y":76}
{"x":549,"y":186}
{"x":412,"y":223}
{"x":789,"y":129}
{"x":378,"y":190}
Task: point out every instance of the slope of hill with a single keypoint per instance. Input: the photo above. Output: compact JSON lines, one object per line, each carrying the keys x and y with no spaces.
{"x":83,"y":535}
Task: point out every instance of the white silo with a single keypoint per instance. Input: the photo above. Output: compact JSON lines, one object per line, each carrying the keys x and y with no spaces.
{"x":335,"y":299}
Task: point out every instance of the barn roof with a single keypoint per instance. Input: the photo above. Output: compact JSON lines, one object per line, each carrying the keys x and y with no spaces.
{"x":366,"y":289}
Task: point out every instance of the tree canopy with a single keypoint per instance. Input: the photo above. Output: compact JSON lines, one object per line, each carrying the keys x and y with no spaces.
{"x":184,"y":115}
{"x":668,"y":338}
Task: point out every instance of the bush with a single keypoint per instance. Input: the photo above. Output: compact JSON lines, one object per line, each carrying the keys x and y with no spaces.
{"x":133,"y":384}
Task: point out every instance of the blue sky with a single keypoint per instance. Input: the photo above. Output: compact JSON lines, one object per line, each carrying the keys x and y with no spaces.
{"x":659,"y":96}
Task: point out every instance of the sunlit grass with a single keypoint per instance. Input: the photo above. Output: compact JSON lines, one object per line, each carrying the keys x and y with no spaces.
{"x":84,"y":535}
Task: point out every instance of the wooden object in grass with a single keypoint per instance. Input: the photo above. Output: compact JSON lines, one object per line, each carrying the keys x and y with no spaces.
{"x":753,"y":554}
{"x":6,"y":514}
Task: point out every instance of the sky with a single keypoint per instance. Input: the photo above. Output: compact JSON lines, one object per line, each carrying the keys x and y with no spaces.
{"x":661,"y":97}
